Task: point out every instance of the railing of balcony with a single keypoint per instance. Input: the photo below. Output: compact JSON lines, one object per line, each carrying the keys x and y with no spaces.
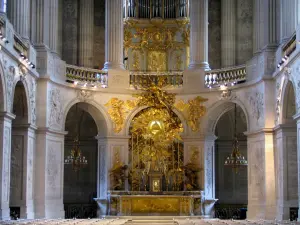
{"x":287,"y":50}
{"x":86,"y":77}
{"x":20,"y":46}
{"x":165,"y":9}
{"x":225,"y":77}
{"x":169,"y":79}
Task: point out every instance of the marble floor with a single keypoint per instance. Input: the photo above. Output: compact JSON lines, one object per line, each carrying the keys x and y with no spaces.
{"x":146,"y":221}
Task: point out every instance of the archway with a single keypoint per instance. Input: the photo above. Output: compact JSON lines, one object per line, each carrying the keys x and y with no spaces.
{"x":83,"y":122}
{"x":21,"y":157}
{"x":286,"y":157}
{"x":231,"y":185}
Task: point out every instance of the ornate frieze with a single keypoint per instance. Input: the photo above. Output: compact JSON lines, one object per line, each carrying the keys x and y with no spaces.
{"x":10,"y":76}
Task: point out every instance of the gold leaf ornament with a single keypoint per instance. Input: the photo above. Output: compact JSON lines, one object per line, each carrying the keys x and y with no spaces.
{"x":117,"y":110}
{"x":193,"y":110}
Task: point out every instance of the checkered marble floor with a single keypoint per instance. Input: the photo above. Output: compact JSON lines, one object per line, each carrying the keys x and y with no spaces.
{"x":146,"y":221}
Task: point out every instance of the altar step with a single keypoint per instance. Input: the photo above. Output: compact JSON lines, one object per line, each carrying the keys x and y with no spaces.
{"x":150,"y":222}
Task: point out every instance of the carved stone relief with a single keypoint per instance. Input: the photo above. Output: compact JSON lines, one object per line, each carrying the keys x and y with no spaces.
{"x":30,"y":168}
{"x":256,"y":101}
{"x":278,"y":99}
{"x":16,"y":168}
{"x":208,"y":171}
{"x":10,"y":75}
{"x":6,"y":163}
{"x":84,"y":95}
{"x":56,"y":109}
{"x":53,"y":169}
{"x":32,"y":97}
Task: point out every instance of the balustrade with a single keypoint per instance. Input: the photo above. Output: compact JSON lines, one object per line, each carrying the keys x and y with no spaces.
{"x":169,"y":79}
{"x":225,"y":77}
{"x":156,"y":8}
{"x":86,"y":77}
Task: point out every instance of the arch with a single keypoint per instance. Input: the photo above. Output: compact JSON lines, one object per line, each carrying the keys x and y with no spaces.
{"x":139,"y":109}
{"x":288,"y":97}
{"x":213,"y":114}
{"x":97,"y":112}
{"x":27,"y":95}
{"x":3,"y":97}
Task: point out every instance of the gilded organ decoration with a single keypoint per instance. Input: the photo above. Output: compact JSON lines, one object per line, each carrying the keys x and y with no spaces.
{"x":158,"y":39}
{"x":157,"y":61}
{"x":117,"y":109}
{"x":193,"y":110}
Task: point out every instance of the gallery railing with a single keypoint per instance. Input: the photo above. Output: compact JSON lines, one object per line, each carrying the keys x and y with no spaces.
{"x":86,"y":77}
{"x":225,"y":77}
{"x":168,"y":79}
{"x":80,"y":211}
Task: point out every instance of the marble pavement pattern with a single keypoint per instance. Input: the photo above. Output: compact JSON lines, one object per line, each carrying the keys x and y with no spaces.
{"x":148,"y":220}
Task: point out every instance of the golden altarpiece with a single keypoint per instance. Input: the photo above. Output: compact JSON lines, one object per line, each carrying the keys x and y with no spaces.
{"x":157,"y":180}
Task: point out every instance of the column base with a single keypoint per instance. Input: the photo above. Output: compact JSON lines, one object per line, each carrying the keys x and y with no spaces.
{"x":102,"y":207}
{"x":199,"y":66}
{"x":5,"y":214}
{"x":111,"y":65}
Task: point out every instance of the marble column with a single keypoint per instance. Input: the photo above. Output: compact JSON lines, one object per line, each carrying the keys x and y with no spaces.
{"x":199,"y":34}
{"x":264,"y":25}
{"x":286,"y":167}
{"x":19,"y":16}
{"x":5,"y":160}
{"x":228,"y":30}
{"x":86,"y":33}
{"x":40,"y":29}
{"x":3,"y":7}
{"x":53,"y":24}
{"x":114,"y":34}
{"x":290,"y":18}
{"x":23,"y":151}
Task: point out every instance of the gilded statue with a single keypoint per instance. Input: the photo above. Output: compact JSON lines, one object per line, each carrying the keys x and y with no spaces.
{"x":117,"y":173}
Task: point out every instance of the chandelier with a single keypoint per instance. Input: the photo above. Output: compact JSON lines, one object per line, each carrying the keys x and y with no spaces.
{"x":76,"y":159}
{"x":235,"y":159}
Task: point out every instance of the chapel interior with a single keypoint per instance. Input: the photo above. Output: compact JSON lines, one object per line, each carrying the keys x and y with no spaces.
{"x":149,"y":112}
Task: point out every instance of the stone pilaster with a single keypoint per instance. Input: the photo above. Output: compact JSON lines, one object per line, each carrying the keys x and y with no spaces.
{"x":286,"y":167}
{"x":22,"y":176}
{"x":49,"y":164}
{"x":199,"y":34}
{"x":53,"y":24}
{"x":297,"y":118}
{"x":114,"y":34}
{"x":205,"y":146}
{"x":108,"y":148}
{"x":228,"y":30}
{"x":264,"y":24}
{"x":86,"y":33}
{"x":5,"y":160}
{"x":261,"y":175}
{"x":19,"y":16}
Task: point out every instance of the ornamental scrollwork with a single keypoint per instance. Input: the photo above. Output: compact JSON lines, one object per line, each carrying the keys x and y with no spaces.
{"x":193,"y":110}
{"x":256,"y":101}
{"x":117,"y":110}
